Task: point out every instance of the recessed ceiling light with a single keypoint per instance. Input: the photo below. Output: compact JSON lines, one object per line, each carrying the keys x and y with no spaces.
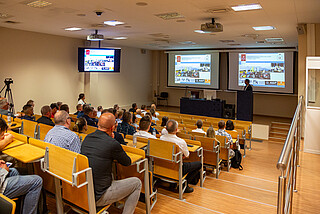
{"x":187,"y":43}
{"x":181,"y":20}
{"x":120,"y":38}
{"x":39,"y":4}
{"x":245,"y":7}
{"x":274,"y":40}
{"x":81,"y":14}
{"x":113,"y":23}
{"x":221,"y":10}
{"x":73,"y":29}
{"x":199,"y":31}
{"x":141,"y":3}
{"x":264,"y":28}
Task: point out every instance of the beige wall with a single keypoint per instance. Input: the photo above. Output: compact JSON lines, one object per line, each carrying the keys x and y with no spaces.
{"x":45,"y":68}
{"x":264,"y":104}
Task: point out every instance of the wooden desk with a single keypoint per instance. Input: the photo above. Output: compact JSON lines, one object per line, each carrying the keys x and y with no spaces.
{"x":25,"y":153}
{"x":14,"y":125}
{"x":14,"y":143}
{"x":134,"y":157}
{"x":194,"y":148}
{"x":140,"y":145}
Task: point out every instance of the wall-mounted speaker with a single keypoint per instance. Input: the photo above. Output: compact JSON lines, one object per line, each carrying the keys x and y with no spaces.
{"x":229,"y":111}
{"x":301,"y":29}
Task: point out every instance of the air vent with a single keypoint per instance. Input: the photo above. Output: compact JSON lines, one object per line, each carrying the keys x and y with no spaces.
{"x":234,"y":44}
{"x":221,"y":10}
{"x":187,"y":43}
{"x":253,"y":36}
{"x":226,"y":41}
{"x":260,"y":42}
{"x":274,"y":40}
{"x":169,"y":16}
{"x":160,"y":35}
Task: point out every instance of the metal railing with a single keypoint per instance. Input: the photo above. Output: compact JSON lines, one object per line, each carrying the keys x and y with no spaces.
{"x":288,"y":162}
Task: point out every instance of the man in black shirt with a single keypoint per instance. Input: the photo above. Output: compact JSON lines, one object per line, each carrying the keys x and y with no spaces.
{"x":248,"y":87}
{"x":88,"y":112}
{"x":46,"y":114}
{"x":101,"y":150}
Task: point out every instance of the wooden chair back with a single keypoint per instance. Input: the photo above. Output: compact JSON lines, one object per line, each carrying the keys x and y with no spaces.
{"x":91,"y":129}
{"x":18,"y":120}
{"x":206,"y":142}
{"x":189,"y":121}
{"x":184,"y":136}
{"x":234,"y":134}
{"x":72,"y":124}
{"x":222,"y":140}
{"x":36,"y":117}
{"x":82,"y":136}
{"x":7,"y":205}
{"x":193,"y":142}
{"x":190,"y":126}
{"x":19,"y":137}
{"x":224,"y":148}
{"x":194,"y":134}
{"x":29,"y":128}
{"x":43,"y":130}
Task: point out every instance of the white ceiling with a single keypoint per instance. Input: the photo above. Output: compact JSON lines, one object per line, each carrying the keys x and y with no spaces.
{"x":141,"y":22}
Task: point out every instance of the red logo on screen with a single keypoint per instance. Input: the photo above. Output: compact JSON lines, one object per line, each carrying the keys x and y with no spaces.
{"x":178,"y":58}
{"x":243,"y":57}
{"x":87,"y":52}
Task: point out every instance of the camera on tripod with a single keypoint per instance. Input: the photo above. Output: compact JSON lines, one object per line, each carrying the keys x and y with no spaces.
{"x":8,"y":81}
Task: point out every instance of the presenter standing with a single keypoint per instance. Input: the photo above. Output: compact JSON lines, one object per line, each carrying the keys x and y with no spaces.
{"x":81,"y":99}
{"x":248,"y":87}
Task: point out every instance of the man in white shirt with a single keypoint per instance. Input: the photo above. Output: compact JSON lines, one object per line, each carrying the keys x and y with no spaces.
{"x":199,"y":127}
{"x":190,"y":168}
{"x":153,"y":106}
{"x":144,"y":126}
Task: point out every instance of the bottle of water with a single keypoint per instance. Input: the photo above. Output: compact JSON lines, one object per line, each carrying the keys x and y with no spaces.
{"x":154,"y":132}
{"x":134,"y":141}
{"x":9,"y":117}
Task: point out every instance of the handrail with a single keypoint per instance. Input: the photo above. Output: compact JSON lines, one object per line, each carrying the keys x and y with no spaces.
{"x":283,"y":159}
{"x":288,"y":162}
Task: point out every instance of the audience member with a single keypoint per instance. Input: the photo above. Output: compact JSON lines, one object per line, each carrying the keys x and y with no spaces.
{"x":153,"y":114}
{"x":61,"y":136}
{"x":102,"y":150}
{"x":31,"y":103}
{"x":211,"y":133}
{"x":13,"y":185}
{"x":64,"y":107}
{"x":119,"y":116}
{"x":134,"y":108}
{"x":79,"y":109}
{"x":88,"y":114}
{"x":100,"y":109}
{"x":117,"y":136}
{"x":153,"y":106}
{"x":189,"y":168}
{"x":4,"y":106}
{"x":81,"y":113}
{"x":54,"y":108}
{"x":152,"y":130}
{"x":59,"y":105}
{"x":81,"y":99}
{"x":229,"y":125}
{"x":199,"y":129}
{"x":28,"y":113}
{"x":80,"y":125}
{"x":125,"y":126}
{"x":143,"y":109}
{"x":138,"y":115}
{"x":221,"y":131}
{"x":134,"y":121}
{"x":46,"y":114}
{"x":163,"y":124}
{"x":116,"y":107}
{"x":144,"y":126}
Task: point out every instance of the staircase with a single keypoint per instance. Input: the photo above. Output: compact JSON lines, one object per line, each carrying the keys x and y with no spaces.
{"x":278,"y":132}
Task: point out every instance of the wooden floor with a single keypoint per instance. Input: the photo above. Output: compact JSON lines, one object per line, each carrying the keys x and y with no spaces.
{"x":253,"y":190}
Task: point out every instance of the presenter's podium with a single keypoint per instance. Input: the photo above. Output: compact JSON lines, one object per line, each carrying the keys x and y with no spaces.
{"x":203,"y":107}
{"x":245,"y":105}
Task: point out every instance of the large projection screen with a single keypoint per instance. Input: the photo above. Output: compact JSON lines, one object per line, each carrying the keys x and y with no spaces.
{"x":268,"y":71}
{"x":194,"y":69}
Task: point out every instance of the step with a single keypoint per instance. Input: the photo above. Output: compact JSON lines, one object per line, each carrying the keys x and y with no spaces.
{"x":280,"y":125}
{"x":278,"y":135}
{"x":276,"y":139}
{"x":279,"y":130}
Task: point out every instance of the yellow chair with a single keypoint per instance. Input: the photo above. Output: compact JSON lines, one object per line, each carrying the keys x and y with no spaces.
{"x":19,"y":137}
{"x":82,"y":136}
{"x":166,"y":162}
{"x":184,"y":136}
{"x":211,"y":151}
{"x":29,"y":128}
{"x":77,"y":183}
{"x":235,"y":136}
{"x":36,"y":117}
{"x":224,"y":149}
{"x":91,"y":129}
{"x":7,"y":206}
{"x":43,"y":130}
{"x":194,"y":134}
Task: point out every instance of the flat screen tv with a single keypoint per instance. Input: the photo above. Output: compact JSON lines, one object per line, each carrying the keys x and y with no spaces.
{"x":99,"y":60}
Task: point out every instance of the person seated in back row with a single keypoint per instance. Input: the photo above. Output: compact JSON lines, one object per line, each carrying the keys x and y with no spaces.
{"x":54,"y":108}
{"x":80,"y":126}
{"x":12,"y":184}
{"x":192,"y":169}
{"x":125,"y":126}
{"x":46,"y":114}
{"x":88,"y":114}
{"x":102,"y":150}
{"x":222,"y":132}
{"x":60,"y":135}
{"x":79,"y":109}
{"x":199,"y":129}
{"x":28,"y":113}
{"x":144,"y":127}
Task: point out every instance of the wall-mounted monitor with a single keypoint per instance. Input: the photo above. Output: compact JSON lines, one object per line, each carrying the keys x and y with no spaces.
{"x":194,"y":69}
{"x":99,"y":60}
{"x":270,"y":71}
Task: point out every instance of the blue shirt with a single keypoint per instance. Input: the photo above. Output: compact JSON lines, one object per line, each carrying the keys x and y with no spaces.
{"x":61,"y":136}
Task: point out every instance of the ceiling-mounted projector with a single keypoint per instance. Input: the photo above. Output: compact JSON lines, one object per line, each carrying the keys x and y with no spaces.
{"x":95,"y":36}
{"x":212,"y":27}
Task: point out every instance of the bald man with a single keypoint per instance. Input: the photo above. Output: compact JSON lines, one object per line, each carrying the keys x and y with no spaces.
{"x":101,"y":150}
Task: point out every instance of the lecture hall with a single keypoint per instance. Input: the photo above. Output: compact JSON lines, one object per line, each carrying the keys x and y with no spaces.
{"x":169,"y":107}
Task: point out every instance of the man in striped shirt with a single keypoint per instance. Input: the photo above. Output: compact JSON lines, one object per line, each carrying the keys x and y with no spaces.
{"x":60,"y":135}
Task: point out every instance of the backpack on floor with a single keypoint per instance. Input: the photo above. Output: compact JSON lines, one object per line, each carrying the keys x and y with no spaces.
{"x":236,"y":160}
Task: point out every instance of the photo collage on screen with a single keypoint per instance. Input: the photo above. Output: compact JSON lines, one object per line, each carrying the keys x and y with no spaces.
{"x":99,"y":60}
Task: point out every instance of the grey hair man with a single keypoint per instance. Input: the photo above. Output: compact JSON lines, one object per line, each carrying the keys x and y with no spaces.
{"x":60,"y":135}
{"x":46,"y":114}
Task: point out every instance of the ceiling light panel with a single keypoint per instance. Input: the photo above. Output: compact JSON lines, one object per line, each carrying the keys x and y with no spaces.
{"x":39,"y":4}
{"x":274,"y":40}
{"x":113,"y":23}
{"x":245,"y":7}
{"x":73,"y":29}
{"x":264,"y":28}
